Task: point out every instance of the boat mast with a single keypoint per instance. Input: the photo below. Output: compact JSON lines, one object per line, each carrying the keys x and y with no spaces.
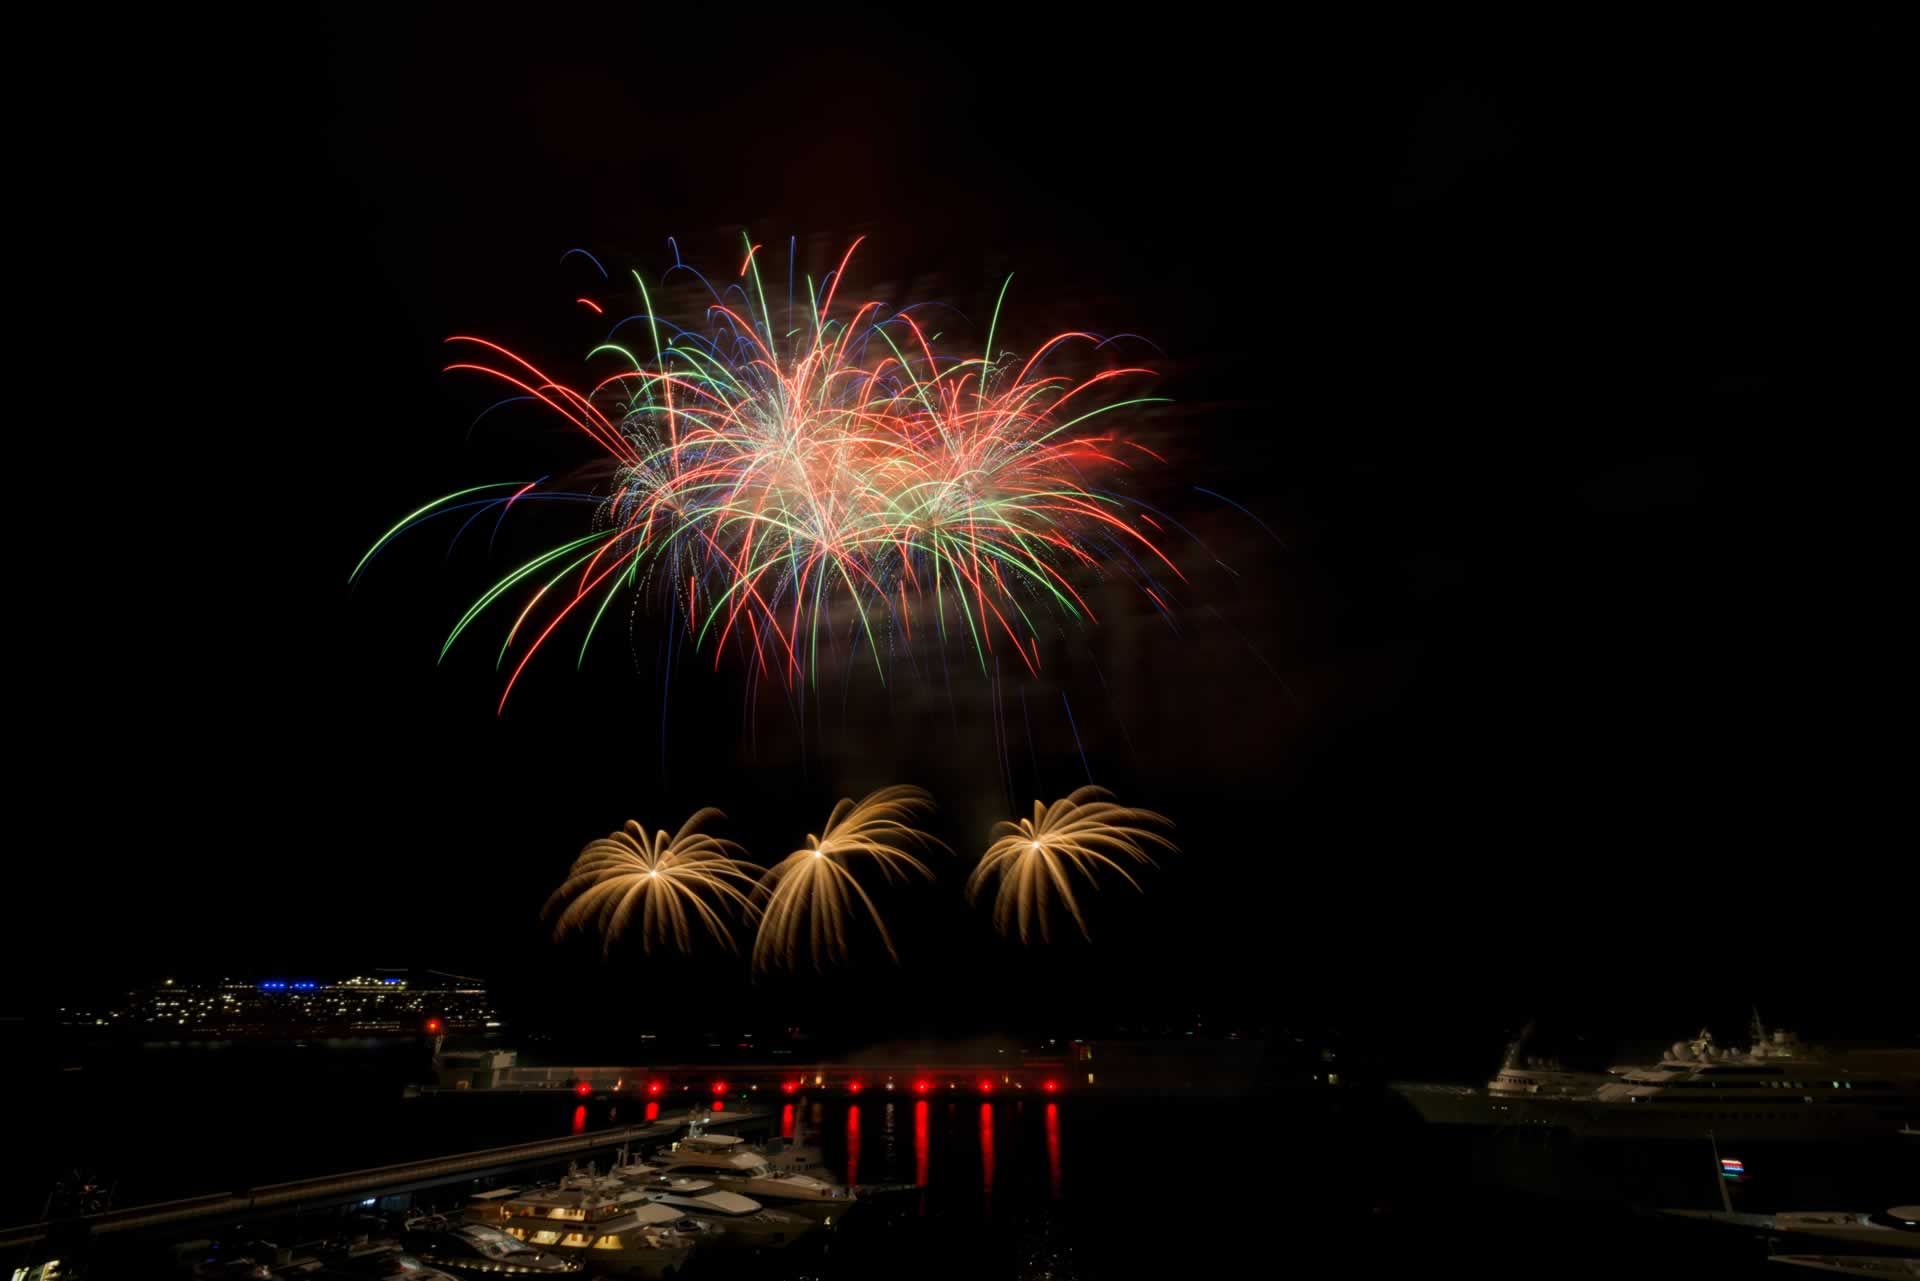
{"x":1719,"y":1175}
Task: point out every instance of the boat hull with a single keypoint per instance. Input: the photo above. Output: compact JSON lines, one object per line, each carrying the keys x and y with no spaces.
{"x":1466,"y":1105}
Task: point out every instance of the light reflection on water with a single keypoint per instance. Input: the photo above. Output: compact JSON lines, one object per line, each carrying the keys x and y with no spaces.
{"x":986,"y":1160}
{"x":853,"y":1145}
{"x":1053,"y":1148}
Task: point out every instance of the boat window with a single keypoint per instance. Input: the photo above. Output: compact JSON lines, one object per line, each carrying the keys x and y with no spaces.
{"x":545,"y":1236}
{"x":609,"y":1242}
{"x":577,"y":1239}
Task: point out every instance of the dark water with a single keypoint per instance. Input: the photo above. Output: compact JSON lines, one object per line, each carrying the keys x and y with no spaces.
{"x":1317,"y":1183}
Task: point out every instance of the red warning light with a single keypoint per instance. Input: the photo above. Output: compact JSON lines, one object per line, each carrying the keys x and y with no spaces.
{"x":433,"y":1025}
{"x":719,"y":1087}
{"x":1051,"y":1087}
{"x":853,"y":1087}
{"x":986,"y":1087}
{"x":789,"y":1086}
{"x":653,"y":1087}
{"x":583,"y":1089}
{"x":921,"y":1086}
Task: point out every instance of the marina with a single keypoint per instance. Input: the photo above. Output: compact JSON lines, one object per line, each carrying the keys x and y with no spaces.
{"x":354,"y":1186}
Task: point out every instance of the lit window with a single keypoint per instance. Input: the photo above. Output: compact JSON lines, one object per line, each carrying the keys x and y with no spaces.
{"x":608,"y":1242}
{"x":546,"y":1236}
{"x":578,"y":1239}
{"x":1089,"y":1078}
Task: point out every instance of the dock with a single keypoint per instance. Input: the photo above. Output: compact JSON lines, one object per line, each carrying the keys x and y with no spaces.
{"x":356,"y":1185}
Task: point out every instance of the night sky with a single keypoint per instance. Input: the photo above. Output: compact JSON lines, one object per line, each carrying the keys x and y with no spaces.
{"x":1542,"y":355}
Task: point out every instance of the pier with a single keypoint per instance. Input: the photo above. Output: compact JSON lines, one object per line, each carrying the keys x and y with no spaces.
{"x":355,"y":1185}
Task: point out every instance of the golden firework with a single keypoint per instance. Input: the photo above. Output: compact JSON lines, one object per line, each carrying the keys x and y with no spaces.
{"x":1036,"y":860}
{"x":670,"y":882}
{"x":809,"y":895}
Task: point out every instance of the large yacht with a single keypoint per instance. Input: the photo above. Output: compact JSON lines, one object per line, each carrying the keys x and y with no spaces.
{"x":476,"y":1250}
{"x":1523,"y":1076}
{"x":738,"y":1166}
{"x":1891,"y":1267}
{"x":1777,"y":1088}
{"x":733,"y":1219}
{"x":1897,"y":1229}
{"x":594,"y":1219}
{"x":1509,"y":1098}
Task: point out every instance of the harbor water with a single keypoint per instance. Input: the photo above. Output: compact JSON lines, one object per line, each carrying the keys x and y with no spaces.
{"x":1010,"y":1185}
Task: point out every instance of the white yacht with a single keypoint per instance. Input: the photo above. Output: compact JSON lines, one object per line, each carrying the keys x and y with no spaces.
{"x":477,"y":1250}
{"x":1510,"y":1097}
{"x":1856,"y":1265}
{"x":594,"y":1219}
{"x":1895,"y":1229}
{"x":1778,"y":1088}
{"x":735,"y":1220}
{"x":737,"y":1166}
{"x":1530,"y":1077}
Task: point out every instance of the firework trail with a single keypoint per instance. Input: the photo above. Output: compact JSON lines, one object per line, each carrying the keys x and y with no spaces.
{"x":809,"y":896}
{"x":669,"y":883}
{"x":1037,"y":860}
{"x":833,"y":483}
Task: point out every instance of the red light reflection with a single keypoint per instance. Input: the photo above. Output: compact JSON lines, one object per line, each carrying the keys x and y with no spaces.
{"x":580,"y":1119}
{"x":986,"y":1159}
{"x":1053,"y":1146}
{"x":853,"y":1145}
{"x":920,"y":1152}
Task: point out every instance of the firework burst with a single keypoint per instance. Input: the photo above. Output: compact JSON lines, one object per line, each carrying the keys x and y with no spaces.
{"x":826,"y":484}
{"x":665,"y":884}
{"x":1037,"y":860}
{"x":809,"y":897}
